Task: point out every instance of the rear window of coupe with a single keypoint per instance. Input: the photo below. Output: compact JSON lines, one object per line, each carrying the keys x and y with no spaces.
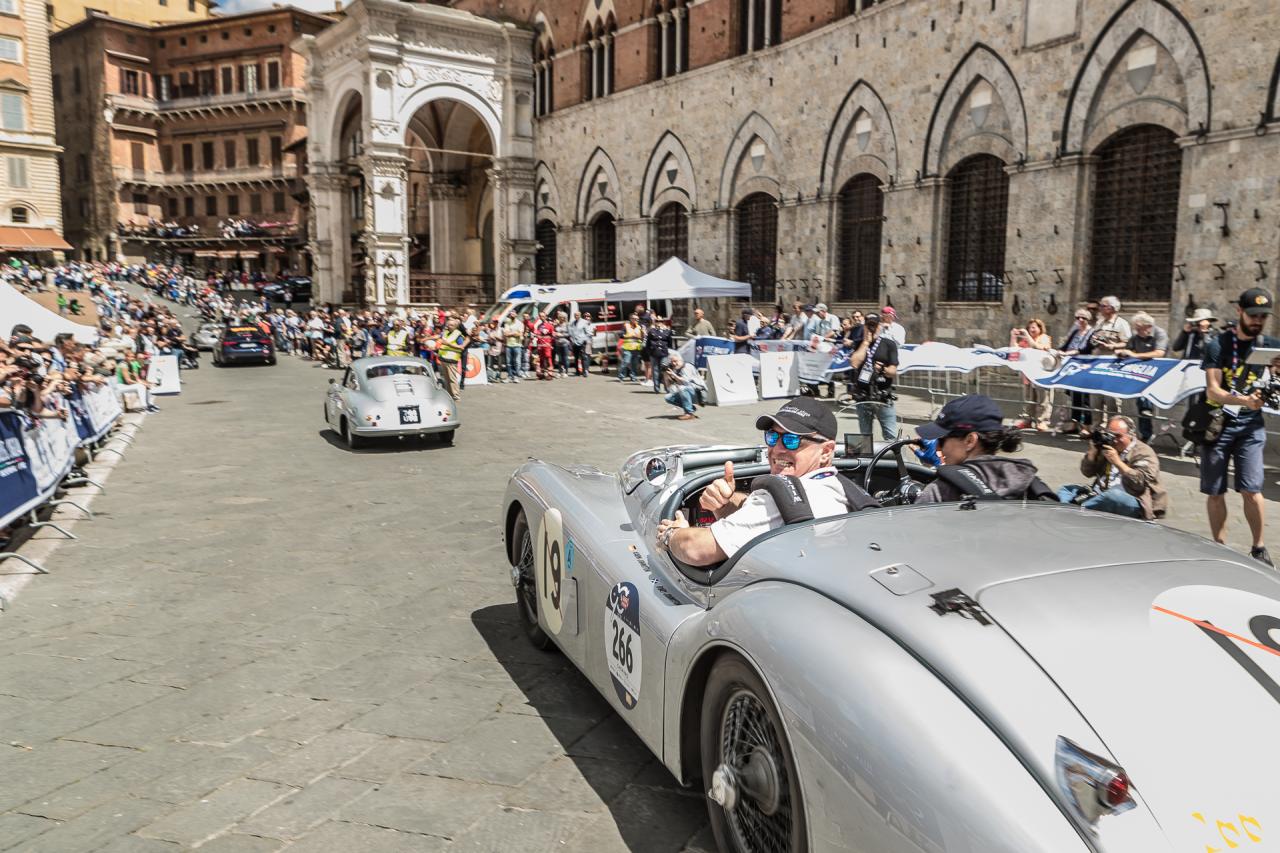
{"x":381,"y":370}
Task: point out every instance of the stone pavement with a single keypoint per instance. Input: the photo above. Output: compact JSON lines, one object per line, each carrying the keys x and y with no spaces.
{"x":267,"y":642}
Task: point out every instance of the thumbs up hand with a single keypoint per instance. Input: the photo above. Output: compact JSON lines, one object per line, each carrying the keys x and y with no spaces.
{"x":718,"y":495}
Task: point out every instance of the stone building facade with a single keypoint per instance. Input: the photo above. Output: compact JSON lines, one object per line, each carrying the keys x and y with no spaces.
{"x":186,"y":142}
{"x":30,"y":214}
{"x":973,"y":162}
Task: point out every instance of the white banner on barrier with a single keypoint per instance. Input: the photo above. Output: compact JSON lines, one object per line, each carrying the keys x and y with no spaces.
{"x":50,"y":450}
{"x":164,"y":376}
{"x":476,"y":372}
{"x":730,"y":380}
{"x":103,"y":406}
{"x":779,"y":375}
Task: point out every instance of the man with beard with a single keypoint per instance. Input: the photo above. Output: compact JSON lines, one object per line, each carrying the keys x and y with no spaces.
{"x":803,"y":485}
{"x":1229,"y":380}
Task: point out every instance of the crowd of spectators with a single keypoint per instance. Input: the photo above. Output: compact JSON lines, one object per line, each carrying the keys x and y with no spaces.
{"x":228,"y":229}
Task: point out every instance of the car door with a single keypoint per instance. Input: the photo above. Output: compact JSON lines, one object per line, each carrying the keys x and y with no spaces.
{"x":334,"y":399}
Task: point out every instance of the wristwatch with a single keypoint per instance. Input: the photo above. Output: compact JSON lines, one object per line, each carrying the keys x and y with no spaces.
{"x":664,"y":538}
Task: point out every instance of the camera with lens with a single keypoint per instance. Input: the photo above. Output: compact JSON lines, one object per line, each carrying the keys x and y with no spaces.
{"x":1103,"y":438}
{"x":1270,"y":391}
{"x":878,"y":390}
{"x":26,"y":362}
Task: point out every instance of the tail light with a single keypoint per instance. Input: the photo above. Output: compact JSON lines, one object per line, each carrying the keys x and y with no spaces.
{"x":1093,"y":786}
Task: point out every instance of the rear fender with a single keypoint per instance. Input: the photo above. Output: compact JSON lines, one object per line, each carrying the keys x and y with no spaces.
{"x":887,"y":753}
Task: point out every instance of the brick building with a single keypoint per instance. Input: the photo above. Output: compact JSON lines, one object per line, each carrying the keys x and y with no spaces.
{"x":185,"y":142}
{"x":30,"y":213}
{"x":976,"y":162}
{"x":64,"y":13}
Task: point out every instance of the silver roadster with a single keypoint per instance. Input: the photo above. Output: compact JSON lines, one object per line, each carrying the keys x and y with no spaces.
{"x":385,"y":396}
{"x":974,"y":676}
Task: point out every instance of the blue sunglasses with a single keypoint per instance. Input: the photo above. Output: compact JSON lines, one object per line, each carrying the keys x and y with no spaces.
{"x":790,"y":440}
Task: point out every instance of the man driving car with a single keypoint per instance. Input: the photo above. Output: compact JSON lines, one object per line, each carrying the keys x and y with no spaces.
{"x":801,"y":442}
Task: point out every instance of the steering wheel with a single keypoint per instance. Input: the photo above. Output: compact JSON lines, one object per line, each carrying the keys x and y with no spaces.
{"x":907,"y":489}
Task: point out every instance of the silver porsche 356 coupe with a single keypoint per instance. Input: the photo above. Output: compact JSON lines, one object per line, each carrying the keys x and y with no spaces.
{"x":385,"y":396}
{"x":973,"y":676}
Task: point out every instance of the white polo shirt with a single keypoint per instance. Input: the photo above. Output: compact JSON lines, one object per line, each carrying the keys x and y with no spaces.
{"x":759,"y":513}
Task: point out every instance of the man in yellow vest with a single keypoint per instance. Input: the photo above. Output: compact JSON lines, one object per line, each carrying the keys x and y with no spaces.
{"x":449,"y":350}
{"x":398,"y":338}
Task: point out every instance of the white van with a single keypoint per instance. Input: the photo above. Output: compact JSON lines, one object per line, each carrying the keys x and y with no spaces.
{"x":608,"y":313}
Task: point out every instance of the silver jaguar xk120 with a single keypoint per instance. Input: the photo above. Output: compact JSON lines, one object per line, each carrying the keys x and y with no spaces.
{"x":975,"y":676}
{"x":385,"y":396}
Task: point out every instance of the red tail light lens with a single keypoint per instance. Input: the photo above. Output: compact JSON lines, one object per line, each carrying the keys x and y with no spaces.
{"x":1092,"y":785}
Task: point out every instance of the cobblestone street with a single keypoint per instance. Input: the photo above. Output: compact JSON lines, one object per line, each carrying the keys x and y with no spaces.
{"x":266,"y":641}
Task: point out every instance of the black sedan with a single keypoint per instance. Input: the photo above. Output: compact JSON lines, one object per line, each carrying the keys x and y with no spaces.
{"x":295,"y":289}
{"x":243,"y":345}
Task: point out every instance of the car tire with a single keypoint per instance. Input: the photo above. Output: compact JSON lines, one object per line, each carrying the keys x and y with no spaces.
{"x":446,"y":438}
{"x":748,"y":765}
{"x":354,"y":442}
{"x":526,"y":588}
{"x":271,"y":362}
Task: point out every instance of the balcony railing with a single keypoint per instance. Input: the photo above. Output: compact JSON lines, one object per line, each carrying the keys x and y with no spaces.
{"x":184,"y":101}
{"x":249,"y":232}
{"x":450,"y":288}
{"x":182,"y":177}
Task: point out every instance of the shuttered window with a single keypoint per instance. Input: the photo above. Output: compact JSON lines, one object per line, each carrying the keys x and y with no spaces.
{"x":1135,"y":215}
{"x":757,"y":226}
{"x":603,"y":247}
{"x":978,"y":214}
{"x":673,"y":232}
{"x":18,"y":173}
{"x":13,"y":112}
{"x":861,"y":223}
{"x":545,"y":260}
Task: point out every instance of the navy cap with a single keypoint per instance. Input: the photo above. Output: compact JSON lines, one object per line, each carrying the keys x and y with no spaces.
{"x":1256,"y":302}
{"x":803,"y":416}
{"x":971,"y":413}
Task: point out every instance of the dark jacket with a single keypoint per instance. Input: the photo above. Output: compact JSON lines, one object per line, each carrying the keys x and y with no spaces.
{"x":1142,"y":481}
{"x":1004,"y":475}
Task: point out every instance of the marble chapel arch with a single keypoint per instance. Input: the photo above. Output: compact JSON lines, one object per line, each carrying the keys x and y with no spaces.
{"x":420,"y":149}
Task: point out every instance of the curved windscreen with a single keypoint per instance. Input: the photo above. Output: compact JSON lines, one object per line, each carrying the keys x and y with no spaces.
{"x":380,"y":370}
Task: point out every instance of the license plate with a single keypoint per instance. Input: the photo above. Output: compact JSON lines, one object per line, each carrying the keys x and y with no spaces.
{"x":409,"y":415}
{"x":248,"y":346}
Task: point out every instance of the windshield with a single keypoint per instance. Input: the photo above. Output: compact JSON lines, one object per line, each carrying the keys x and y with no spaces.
{"x":380,"y":370}
{"x":495,"y":312}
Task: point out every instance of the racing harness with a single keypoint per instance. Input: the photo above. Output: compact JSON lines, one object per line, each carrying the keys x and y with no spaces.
{"x":793,"y":503}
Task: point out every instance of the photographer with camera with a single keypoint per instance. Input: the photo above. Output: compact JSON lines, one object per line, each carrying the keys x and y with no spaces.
{"x":1234,"y":428}
{"x":875,"y":365}
{"x":683,"y":386}
{"x":1126,"y":474}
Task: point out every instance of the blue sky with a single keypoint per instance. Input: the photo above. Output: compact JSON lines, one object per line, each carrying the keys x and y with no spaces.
{"x":232,"y":7}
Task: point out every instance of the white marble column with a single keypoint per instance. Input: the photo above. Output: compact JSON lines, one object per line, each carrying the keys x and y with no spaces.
{"x":664,"y":21}
{"x":768,"y":21}
{"x":606,"y":67}
{"x":679,"y":14}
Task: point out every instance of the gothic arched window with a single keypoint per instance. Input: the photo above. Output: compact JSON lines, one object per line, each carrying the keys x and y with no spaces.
{"x":978,"y":213}
{"x":861,"y":222}
{"x":673,"y":232}
{"x":604,"y":259}
{"x":757,"y":222}
{"x":544,"y":265}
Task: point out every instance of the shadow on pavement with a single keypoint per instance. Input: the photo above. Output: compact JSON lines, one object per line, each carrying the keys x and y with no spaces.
{"x":652,"y":812}
{"x":415,"y":444}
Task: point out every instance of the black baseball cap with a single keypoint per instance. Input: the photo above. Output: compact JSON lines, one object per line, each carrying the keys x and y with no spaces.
{"x":803,"y":416}
{"x":1256,"y":302}
{"x":971,"y":413}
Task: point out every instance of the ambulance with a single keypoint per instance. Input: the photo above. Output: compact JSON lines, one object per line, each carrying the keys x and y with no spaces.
{"x":607,"y":312}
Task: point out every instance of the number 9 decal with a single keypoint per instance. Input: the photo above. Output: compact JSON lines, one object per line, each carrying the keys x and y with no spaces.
{"x":549,"y":569}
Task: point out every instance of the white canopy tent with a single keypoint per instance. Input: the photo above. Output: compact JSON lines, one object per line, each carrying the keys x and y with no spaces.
{"x":677,"y":280}
{"x":45,"y":324}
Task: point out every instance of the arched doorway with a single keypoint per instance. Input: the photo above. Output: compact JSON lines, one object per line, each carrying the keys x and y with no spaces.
{"x":604,"y":247}
{"x":545,"y":260}
{"x":861,"y":211}
{"x":757,"y":234}
{"x":356,"y":285}
{"x":1135,"y":214}
{"x":673,"y":232}
{"x":978,"y":211}
{"x":450,"y":156}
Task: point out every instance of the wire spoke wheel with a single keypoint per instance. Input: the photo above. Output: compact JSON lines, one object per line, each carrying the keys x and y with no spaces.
{"x":761,"y":822}
{"x":526,"y":588}
{"x":754,"y":793}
